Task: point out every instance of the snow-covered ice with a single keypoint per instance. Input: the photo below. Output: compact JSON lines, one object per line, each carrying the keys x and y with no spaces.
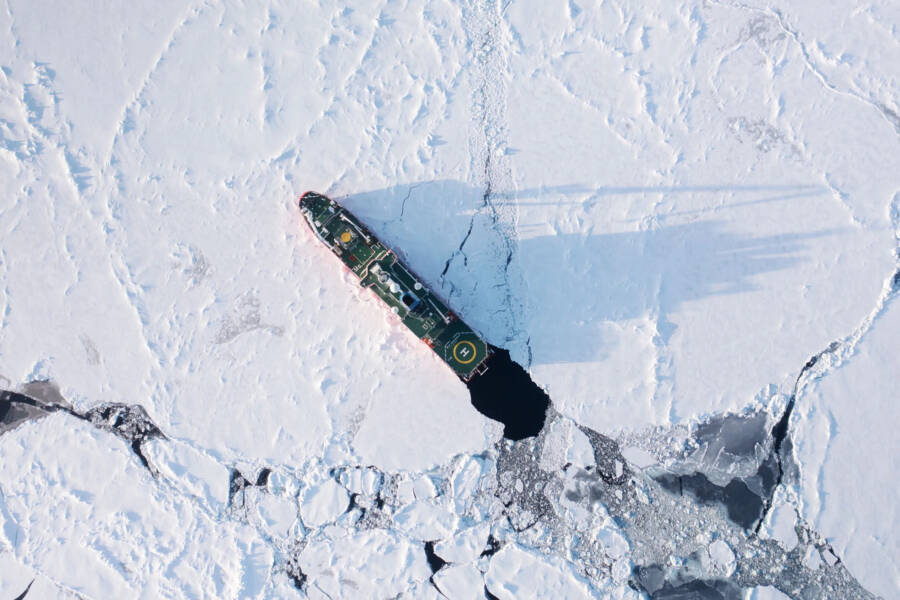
{"x":465,"y":546}
{"x":848,"y":450}
{"x":515,"y":573}
{"x":80,"y":511}
{"x":370,"y":564}
{"x":682,"y":218}
{"x":460,"y":582}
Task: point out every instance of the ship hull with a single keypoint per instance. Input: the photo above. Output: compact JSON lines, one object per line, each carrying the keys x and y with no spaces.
{"x":379,"y":268}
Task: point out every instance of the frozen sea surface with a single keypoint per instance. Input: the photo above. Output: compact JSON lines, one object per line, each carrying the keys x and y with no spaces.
{"x":681,"y":218}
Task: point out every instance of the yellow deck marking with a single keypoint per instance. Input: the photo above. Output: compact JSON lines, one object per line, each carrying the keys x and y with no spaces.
{"x":346,"y":237}
{"x":464,"y":343}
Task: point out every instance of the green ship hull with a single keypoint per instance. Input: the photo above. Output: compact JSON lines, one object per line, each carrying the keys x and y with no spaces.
{"x":379,"y":269}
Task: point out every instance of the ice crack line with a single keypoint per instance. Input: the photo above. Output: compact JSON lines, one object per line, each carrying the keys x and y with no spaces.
{"x":889,"y":114}
{"x":886,"y":112}
{"x":408,"y":194}
{"x":831,"y":358}
{"x":134,"y":100}
{"x":130,"y":422}
{"x":488,"y":40}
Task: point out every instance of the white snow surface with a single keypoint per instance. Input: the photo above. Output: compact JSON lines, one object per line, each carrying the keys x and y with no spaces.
{"x":465,"y":546}
{"x":371,"y":564}
{"x":323,"y":503}
{"x":687,"y":201}
{"x":781,"y":522}
{"x":82,"y":512}
{"x":517,"y":574}
{"x":765,"y":593}
{"x":460,"y":582}
{"x":849,"y":453}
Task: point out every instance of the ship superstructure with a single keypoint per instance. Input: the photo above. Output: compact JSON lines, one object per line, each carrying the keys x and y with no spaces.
{"x":379,"y":269}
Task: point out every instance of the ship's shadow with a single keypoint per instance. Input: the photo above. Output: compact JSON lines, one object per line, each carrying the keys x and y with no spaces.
{"x":568,"y":285}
